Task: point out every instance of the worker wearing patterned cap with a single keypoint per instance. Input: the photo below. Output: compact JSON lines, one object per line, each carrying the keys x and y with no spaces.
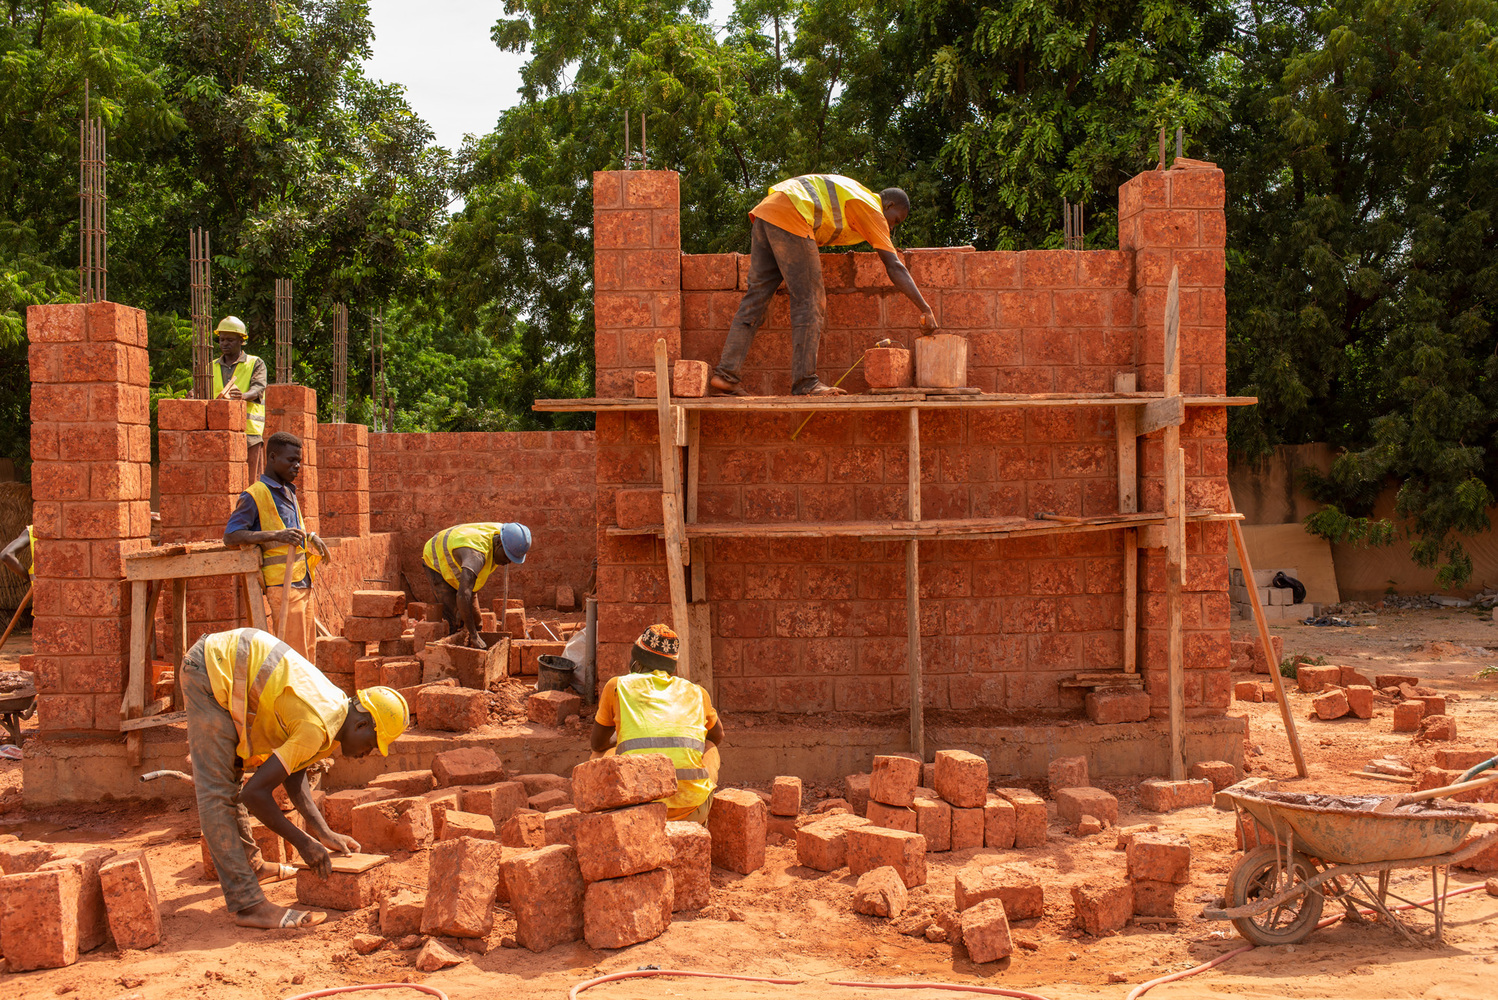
{"x":651,"y":710}
{"x":254,"y":701}
{"x":459,"y":560}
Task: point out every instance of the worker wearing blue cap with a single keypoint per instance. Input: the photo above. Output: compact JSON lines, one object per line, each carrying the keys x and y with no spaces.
{"x":459,"y":560}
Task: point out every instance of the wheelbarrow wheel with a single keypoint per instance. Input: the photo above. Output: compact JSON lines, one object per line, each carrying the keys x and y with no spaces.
{"x":1266,"y":872}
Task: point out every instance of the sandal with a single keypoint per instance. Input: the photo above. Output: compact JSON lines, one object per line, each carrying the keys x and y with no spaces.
{"x":301,"y":918}
{"x":720,"y":386}
{"x":823,"y":389}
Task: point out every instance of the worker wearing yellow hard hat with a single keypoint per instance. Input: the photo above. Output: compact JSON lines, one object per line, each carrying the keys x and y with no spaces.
{"x":238,"y":375}
{"x":254,"y":701}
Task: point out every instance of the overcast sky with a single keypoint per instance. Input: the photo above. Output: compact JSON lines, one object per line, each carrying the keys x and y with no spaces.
{"x":455,"y":77}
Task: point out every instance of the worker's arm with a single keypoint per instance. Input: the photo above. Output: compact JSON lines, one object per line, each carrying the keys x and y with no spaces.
{"x":470,"y":564}
{"x":11,"y":555}
{"x":258,"y":796}
{"x":322,"y":547}
{"x":715,"y":734}
{"x":239,"y":532}
{"x":899,"y":275}
{"x":603,"y":737}
{"x":301,"y":797}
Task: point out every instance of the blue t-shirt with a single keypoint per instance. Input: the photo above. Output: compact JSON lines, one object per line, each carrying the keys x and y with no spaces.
{"x":246,"y":516}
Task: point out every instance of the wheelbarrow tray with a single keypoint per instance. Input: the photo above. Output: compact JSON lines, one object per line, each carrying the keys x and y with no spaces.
{"x":17,"y":701}
{"x":1344,"y":829}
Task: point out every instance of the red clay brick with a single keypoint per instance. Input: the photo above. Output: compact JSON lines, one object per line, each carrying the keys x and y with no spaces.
{"x":622,"y":842}
{"x":961,"y":778}
{"x":691,"y":865}
{"x":894,"y":817}
{"x":403,"y":824}
{"x":1312,"y":679}
{"x":933,"y":821}
{"x":467,"y":766}
{"x":1103,"y":904}
{"x":1074,"y":803}
{"x":871,"y":847}
{"x":738,"y":822}
{"x":1160,"y":857}
{"x":93,"y":923}
{"x":372,"y":629}
{"x":551,"y":708}
{"x":985,"y":932}
{"x":822,"y":844}
{"x":1067,"y":772}
{"x":548,"y":800}
{"x":461,"y":882}
{"x":967,"y":829}
{"x":893,"y":780}
{"x":622,"y":780}
{"x":559,"y":826}
{"x":623,"y":911}
{"x":1219,"y":772}
{"x":880,"y":893}
{"x":377,"y":603}
{"x":335,"y":654}
{"x":1113,"y":707}
{"x":401,"y":914}
{"x":1154,"y":899}
{"x":888,"y":368}
{"x":456,"y":824}
{"x":338,"y":807}
{"x":998,"y":823}
{"x":546,"y":889}
{"x":452,"y":709}
{"x":525,"y":828}
{"x":1407,"y":716}
{"x":39,"y":919}
{"x":1022,"y":894}
{"x":341,"y":890}
{"x":689,"y":378}
{"x":405,"y":783}
{"x":785,"y":797}
{"x":1029,"y":816}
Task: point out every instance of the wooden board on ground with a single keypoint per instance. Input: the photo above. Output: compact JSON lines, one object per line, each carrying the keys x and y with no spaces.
{"x":352,"y":864}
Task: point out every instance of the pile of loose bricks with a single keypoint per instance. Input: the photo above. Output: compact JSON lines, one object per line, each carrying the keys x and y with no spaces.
{"x":61,"y":901}
{"x":1340,"y":692}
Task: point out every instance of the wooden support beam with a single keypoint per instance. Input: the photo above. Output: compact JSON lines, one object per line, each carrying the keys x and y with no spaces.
{"x":913,"y":593}
{"x":701,"y":618}
{"x":671,"y":504}
{"x":1127,"y":436}
{"x":1175,"y":539}
{"x":150,"y":565}
{"x":1168,"y":412}
{"x":256,"y":595}
{"x":696,"y":555}
{"x":134,"y":702}
{"x":1131,"y":600}
{"x":179,"y":628}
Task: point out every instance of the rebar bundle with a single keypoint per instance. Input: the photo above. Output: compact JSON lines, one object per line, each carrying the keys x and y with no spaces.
{"x":1071,"y":222}
{"x":283,"y":330}
{"x":93,"y":195}
{"x":202,"y":313}
{"x":340,"y":363}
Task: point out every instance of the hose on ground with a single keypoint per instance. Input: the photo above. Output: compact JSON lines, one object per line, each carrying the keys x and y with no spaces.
{"x":986,"y":990}
{"x":641,"y":973}
{"x":430,"y":991}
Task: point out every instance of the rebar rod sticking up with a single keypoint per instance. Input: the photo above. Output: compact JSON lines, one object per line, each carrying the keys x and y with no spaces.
{"x":93,"y":203}
{"x":1071,"y":224}
{"x":201,"y":308}
{"x":340,"y":363}
{"x":283,"y":330}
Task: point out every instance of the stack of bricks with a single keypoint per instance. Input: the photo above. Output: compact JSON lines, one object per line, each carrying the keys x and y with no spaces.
{"x":1278,"y":602}
{"x":90,"y":487}
{"x":1085,"y":808}
{"x":293,"y":408}
{"x":958,"y":813}
{"x":202,"y":473}
{"x":785,"y":809}
{"x":636,"y":274}
{"x":1159,"y":864}
{"x":343,"y":479}
{"x":375,"y":619}
{"x":623,"y":852}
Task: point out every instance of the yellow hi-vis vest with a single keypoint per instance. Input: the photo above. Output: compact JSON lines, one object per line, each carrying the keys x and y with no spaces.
{"x":437,"y":554}
{"x":255,"y":422}
{"x":273,"y":557}
{"x":260,"y":662}
{"x":822,"y":199}
{"x":659,"y":713}
{"x":31,"y":540}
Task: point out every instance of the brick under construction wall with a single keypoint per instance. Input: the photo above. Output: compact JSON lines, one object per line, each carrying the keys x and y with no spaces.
{"x":91,"y":487}
{"x":422,"y":483}
{"x":819,"y":624}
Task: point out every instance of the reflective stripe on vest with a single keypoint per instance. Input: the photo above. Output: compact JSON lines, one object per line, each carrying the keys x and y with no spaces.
{"x":822,"y":199}
{"x":254,"y":423}
{"x":244,"y":695}
{"x":662,"y":714}
{"x":273,"y":557}
{"x":479,"y":536}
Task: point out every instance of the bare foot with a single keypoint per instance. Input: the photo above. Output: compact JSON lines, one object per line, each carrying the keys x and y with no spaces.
{"x":267,"y":916}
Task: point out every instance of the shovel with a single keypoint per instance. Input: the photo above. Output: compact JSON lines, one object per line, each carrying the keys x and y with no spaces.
{"x":1393,"y":802}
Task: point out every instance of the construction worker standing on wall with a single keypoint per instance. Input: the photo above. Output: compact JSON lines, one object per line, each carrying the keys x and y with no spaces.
{"x":798,"y":216}
{"x":238,"y":375}
{"x":459,"y":561}
{"x":651,"y":710}
{"x":269,"y":515}
{"x":253,"y":701}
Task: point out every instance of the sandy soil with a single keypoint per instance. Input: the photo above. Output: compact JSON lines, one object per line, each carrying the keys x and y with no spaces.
{"x":787,"y":921}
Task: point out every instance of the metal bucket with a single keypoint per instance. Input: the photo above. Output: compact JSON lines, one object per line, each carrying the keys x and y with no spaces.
{"x":554,"y":673}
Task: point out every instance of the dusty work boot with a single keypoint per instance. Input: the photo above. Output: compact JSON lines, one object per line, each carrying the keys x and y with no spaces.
{"x":719,"y":386}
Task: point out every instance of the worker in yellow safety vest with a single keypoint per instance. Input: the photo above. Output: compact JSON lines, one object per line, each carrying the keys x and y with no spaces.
{"x":238,"y":375}
{"x":269,"y":515}
{"x":651,"y":710}
{"x":19,"y":557}
{"x":253,"y":701}
{"x":459,"y":561}
{"x":794,"y":219}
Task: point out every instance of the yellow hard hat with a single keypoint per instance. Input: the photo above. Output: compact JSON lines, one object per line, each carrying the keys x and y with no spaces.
{"x":391,"y":714}
{"x":231,"y":324}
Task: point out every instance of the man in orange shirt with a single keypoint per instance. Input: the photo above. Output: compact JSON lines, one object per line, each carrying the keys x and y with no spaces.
{"x":798,"y":216}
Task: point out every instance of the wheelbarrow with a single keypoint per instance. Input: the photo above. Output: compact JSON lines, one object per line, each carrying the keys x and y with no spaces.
{"x":1327,"y":847}
{"x":16,"y":706}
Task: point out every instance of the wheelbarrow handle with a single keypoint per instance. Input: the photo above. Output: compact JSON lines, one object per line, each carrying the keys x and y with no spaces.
{"x":1436,"y":793}
{"x":1473,"y":772}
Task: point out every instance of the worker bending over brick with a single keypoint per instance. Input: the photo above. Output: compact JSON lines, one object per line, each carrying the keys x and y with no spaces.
{"x":269,"y":515}
{"x":254,"y":701}
{"x":651,"y":710}
{"x":459,"y":561}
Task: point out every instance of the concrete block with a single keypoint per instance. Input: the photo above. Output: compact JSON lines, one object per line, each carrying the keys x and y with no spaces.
{"x":998,"y":823}
{"x":401,"y":913}
{"x":623,"y":841}
{"x":551,"y":708}
{"x":342,"y":890}
{"x":1219,"y":772}
{"x":622,"y":780}
{"x":894,"y":817}
{"x":1067,"y":772}
{"x":1103,"y":904}
{"x":961,"y":778}
{"x":1029,"y":816}
{"x":933,"y":820}
{"x":871,"y":847}
{"x":546,"y":890}
{"x":985,"y":932}
{"x":1160,"y":857}
{"x":785,"y":797}
{"x":619,"y":912}
{"x":1110,"y":707}
{"x":738,"y":822}
{"x":1073,"y":803}
{"x":39,"y":919}
{"x":691,"y":865}
{"x":466,"y":766}
{"x":462,"y":878}
{"x":893,"y":780}
{"x":880,"y":893}
{"x":823,"y":845}
{"x":130,"y":902}
{"x":403,"y":824}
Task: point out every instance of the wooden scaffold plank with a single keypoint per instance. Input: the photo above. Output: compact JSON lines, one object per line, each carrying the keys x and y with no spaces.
{"x":671,"y":506}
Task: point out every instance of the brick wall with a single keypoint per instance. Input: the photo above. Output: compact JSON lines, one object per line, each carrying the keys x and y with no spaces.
{"x":90,"y":482}
{"x":819,"y":625}
{"x":201,"y":448}
{"x":293,"y":408}
{"x":370,"y":562}
{"x":343,"y":479}
{"x":422,"y":483}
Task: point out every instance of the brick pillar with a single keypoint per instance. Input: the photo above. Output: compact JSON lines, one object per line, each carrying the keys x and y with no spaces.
{"x":91,"y":488}
{"x":1174,"y":219}
{"x":343,"y":481}
{"x":201,"y":449}
{"x":636,"y":273}
{"x":293,"y":408}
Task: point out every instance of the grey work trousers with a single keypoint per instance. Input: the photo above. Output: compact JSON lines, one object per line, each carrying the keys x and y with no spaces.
{"x":775,"y":256}
{"x":213,"y":742}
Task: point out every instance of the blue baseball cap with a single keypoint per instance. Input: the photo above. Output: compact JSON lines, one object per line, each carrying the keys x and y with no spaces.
{"x":516,"y":539}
